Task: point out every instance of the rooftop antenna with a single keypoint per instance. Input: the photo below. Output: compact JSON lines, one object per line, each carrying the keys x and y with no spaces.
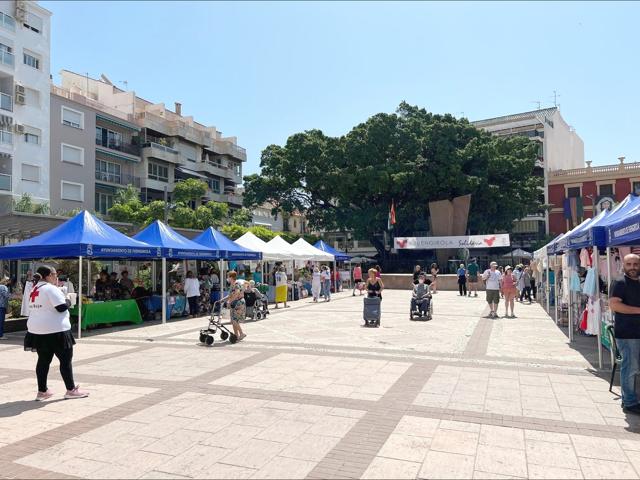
{"x":555,"y":99}
{"x":537,"y":102}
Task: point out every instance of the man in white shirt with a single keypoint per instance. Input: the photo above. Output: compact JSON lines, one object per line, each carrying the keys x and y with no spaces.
{"x":493,"y":283}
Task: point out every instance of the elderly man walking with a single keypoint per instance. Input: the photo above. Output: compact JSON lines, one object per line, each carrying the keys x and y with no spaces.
{"x":624,"y":301}
{"x":493,"y":284}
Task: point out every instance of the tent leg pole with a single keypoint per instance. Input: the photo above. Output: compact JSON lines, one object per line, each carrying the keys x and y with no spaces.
{"x":570,"y":311}
{"x":80,"y":297}
{"x":596,"y":266}
{"x":547,"y":288}
{"x":164,"y":290}
{"x":555,"y":289}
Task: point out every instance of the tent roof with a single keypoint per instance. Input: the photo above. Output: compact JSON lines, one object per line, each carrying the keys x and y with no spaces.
{"x":585,"y":235}
{"x":250,"y":241}
{"x":280,"y":245}
{"x":623,"y":225}
{"x":518,"y":253}
{"x":83,"y":235}
{"x":173,"y":244}
{"x":313,"y":253}
{"x":339,"y":256}
{"x":227,"y":248}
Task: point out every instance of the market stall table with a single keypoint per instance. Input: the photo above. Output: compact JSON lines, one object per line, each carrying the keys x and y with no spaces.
{"x":116,"y":311}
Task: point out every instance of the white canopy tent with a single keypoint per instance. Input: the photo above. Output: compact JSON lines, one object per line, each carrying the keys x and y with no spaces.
{"x":280,"y":246}
{"x":269,"y":253}
{"x":312,"y":253}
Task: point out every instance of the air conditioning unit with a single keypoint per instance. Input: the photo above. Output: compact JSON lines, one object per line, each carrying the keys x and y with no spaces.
{"x":20,"y":99}
{"x":19,"y":128}
{"x":19,"y":89}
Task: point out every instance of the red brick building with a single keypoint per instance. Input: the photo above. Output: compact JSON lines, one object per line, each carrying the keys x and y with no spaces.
{"x":577,"y":193}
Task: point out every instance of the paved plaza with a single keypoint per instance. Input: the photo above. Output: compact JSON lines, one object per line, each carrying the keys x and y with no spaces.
{"x":310,"y":393}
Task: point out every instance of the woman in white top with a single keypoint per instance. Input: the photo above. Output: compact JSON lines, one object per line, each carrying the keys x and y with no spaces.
{"x":192,"y":291}
{"x":325,"y":276}
{"x":49,"y":333}
{"x":316,"y":284}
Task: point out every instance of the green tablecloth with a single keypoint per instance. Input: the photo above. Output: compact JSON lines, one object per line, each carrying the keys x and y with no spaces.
{"x":115,"y":311}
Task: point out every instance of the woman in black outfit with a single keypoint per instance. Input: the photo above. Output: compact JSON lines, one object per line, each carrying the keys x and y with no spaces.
{"x":374,"y":285}
{"x":49,"y":333}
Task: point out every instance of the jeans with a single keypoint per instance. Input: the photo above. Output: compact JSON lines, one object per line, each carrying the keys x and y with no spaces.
{"x":42,"y":367}
{"x":462,"y":286}
{"x":326,"y":289}
{"x":193,"y":305}
{"x":422,"y":305}
{"x":630,"y":367}
{"x":525,"y":293}
{"x":3,"y":312}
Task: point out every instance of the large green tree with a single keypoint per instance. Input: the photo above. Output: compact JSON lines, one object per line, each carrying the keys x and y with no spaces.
{"x":411,"y":157}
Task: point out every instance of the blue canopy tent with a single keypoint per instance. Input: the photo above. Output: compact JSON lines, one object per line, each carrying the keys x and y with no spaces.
{"x":338,"y":256}
{"x":175,"y":246}
{"x":227,"y":248}
{"x":81,"y":236}
{"x":624,"y":228}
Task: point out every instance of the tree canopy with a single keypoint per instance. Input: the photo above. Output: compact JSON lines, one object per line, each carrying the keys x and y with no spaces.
{"x":411,"y":157}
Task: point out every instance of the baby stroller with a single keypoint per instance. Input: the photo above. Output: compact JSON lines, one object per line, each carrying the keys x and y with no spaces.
{"x":215,"y":326}
{"x":372,"y":311}
{"x":421,"y":308}
{"x":255,"y":305}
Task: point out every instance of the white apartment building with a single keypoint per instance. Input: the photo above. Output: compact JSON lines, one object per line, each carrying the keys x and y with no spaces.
{"x":171,"y":147}
{"x":559,"y":148}
{"x":24,"y":101}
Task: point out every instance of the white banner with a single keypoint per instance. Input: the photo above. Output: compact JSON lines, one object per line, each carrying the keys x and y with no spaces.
{"x":466,"y":241}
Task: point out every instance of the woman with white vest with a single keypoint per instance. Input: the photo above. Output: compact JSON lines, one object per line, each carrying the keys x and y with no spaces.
{"x":49,"y":333}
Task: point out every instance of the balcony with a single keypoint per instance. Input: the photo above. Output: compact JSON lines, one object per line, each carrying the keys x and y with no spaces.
{"x":118,"y":179}
{"x":161,"y":152}
{"x":124,"y":147}
{"x":228,"y":148}
{"x":6,"y":102}
{"x":5,"y":182}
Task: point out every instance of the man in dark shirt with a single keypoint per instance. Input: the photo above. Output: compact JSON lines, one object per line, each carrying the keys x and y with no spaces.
{"x":624,"y":301}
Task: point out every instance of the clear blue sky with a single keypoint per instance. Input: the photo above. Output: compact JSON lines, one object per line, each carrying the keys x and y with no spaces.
{"x":262,"y":71}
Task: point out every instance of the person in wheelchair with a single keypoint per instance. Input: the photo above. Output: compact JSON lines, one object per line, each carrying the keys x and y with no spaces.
{"x":421,"y":296}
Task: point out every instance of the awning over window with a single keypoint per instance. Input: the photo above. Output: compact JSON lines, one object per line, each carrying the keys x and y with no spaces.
{"x":117,"y":122}
{"x":192,"y":173}
{"x":117,"y":155}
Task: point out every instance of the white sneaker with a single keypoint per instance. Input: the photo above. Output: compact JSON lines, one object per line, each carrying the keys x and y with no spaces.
{"x":75,"y":393}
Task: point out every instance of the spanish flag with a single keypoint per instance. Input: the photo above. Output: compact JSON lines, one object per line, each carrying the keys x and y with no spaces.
{"x":392,"y":216}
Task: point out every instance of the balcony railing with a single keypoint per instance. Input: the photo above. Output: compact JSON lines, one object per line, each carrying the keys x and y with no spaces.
{"x":7,"y":58}
{"x":5,"y":182}
{"x":119,"y":179}
{"x":161,"y":147}
{"x":123,"y":147}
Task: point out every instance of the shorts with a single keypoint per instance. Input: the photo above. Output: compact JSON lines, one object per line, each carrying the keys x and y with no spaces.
{"x":493,"y":296}
{"x":473,"y":278}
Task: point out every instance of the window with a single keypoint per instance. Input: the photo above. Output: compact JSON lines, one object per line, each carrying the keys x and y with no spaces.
{"x":108,"y":171}
{"x":606,"y":189}
{"x":6,"y":137}
{"x":32,"y":138}
{"x":636,"y":188}
{"x":104,"y":202}
{"x":237,"y":168}
{"x":214,"y":185}
{"x":158,"y":172}
{"x":71,"y":154}
{"x":72,"y":118}
{"x":6,"y":55}
{"x":30,"y":173}
{"x":72,"y":191}
{"x":33,"y":22}
{"x":7,"y":22}
{"x":573,"y":192}
{"x":108,"y":138}
{"x":31,"y":60}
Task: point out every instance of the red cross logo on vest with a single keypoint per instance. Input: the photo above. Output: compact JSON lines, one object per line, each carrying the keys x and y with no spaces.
{"x":34,"y":294}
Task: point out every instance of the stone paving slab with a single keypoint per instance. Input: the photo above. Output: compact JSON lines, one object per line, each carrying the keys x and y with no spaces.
{"x":310,"y":393}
